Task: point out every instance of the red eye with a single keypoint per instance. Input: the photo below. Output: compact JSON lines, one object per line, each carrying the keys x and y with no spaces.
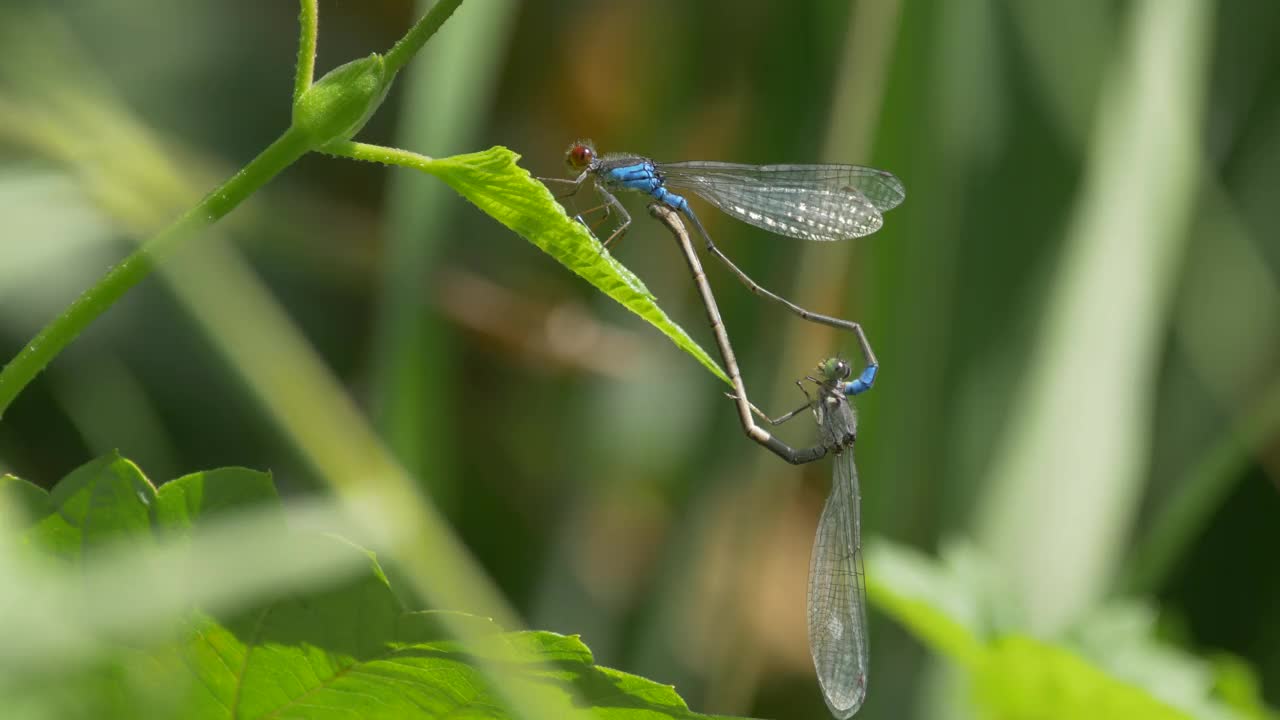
{"x":580,"y":155}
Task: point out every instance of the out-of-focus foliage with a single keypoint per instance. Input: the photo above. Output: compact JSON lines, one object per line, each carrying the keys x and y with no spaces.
{"x":1108,"y":667}
{"x":1077,"y":314}
{"x":344,"y":648}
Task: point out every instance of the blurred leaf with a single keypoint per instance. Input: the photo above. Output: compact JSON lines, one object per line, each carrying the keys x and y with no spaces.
{"x":1122,"y":639}
{"x":30,"y":498}
{"x":103,"y":499}
{"x":205,"y":494}
{"x":1025,"y":678}
{"x":1112,"y":667}
{"x":936,"y":606}
{"x":353,"y":651}
{"x":1238,"y":685}
{"x":492,"y":180}
{"x":346,"y":650}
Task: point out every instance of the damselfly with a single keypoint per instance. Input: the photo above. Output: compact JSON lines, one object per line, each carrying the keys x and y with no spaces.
{"x":837,"y":596}
{"x":795,"y":456}
{"x":811,"y":202}
{"x":837,"y":590}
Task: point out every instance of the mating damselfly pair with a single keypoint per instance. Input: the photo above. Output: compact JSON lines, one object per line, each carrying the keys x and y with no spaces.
{"x":812,"y":202}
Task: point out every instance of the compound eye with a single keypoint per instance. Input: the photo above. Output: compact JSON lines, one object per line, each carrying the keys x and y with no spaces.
{"x":842,"y":369}
{"x":580,"y":156}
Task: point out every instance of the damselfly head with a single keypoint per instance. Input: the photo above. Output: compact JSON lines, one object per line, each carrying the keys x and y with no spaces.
{"x":834,"y":369}
{"x":580,"y":155}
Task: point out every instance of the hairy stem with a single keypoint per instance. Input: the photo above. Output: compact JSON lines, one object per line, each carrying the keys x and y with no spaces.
{"x":309,"y":31}
{"x":378,"y":154}
{"x":412,"y":42}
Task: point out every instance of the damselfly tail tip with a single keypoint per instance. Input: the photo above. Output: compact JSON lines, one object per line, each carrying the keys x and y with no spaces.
{"x":845,"y":704}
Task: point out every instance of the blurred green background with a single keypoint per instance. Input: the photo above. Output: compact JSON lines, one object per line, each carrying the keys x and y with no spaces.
{"x":1076,"y":310}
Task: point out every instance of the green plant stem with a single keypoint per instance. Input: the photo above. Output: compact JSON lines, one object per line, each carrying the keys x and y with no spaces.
{"x":309,"y":31}
{"x":129,"y":272}
{"x":408,"y":46}
{"x":293,"y":144}
{"x":379,"y":154}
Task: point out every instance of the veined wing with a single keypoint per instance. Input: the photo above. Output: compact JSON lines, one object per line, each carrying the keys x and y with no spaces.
{"x":838,"y":597}
{"x":810,"y":202}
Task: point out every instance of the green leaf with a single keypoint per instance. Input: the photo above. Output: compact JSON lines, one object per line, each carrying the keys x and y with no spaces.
{"x":941,"y":608}
{"x":30,"y":499}
{"x":1240,"y":688}
{"x":1110,"y":667}
{"x":1025,"y":679}
{"x":497,"y":185}
{"x":1121,"y":638}
{"x":346,"y":649}
{"x":206,"y":494}
{"x":101,"y":500}
{"x":352,"y":651}
{"x":110,"y":497}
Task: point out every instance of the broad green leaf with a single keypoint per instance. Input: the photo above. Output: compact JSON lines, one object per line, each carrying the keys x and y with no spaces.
{"x":30,"y":500}
{"x":98,"y":501}
{"x":110,"y":497}
{"x":353,"y":651}
{"x":1122,"y":639}
{"x":940,"y":609}
{"x":1025,"y":679}
{"x":497,"y":185}
{"x":347,"y":649}
{"x":205,"y":494}
{"x":1111,"y":666}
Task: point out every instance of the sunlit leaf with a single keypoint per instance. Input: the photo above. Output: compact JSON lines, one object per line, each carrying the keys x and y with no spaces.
{"x":1021,"y":678}
{"x":497,"y":185}
{"x":938,"y":607}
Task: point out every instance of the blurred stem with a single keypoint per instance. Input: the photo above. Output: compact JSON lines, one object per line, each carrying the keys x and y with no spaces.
{"x":1199,"y":495}
{"x":444,"y":95}
{"x":1067,"y":478}
{"x":418,"y":35}
{"x":309,"y":29}
{"x":129,"y":272}
{"x":290,"y":146}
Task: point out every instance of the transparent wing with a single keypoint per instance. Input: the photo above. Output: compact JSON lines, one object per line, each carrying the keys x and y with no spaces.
{"x":810,"y":202}
{"x":838,"y":597}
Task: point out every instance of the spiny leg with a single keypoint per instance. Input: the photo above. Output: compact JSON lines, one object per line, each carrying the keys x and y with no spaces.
{"x":572,"y":185}
{"x":781,"y":418}
{"x":610,"y":205}
{"x":625,"y":223}
{"x":580,"y":217}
